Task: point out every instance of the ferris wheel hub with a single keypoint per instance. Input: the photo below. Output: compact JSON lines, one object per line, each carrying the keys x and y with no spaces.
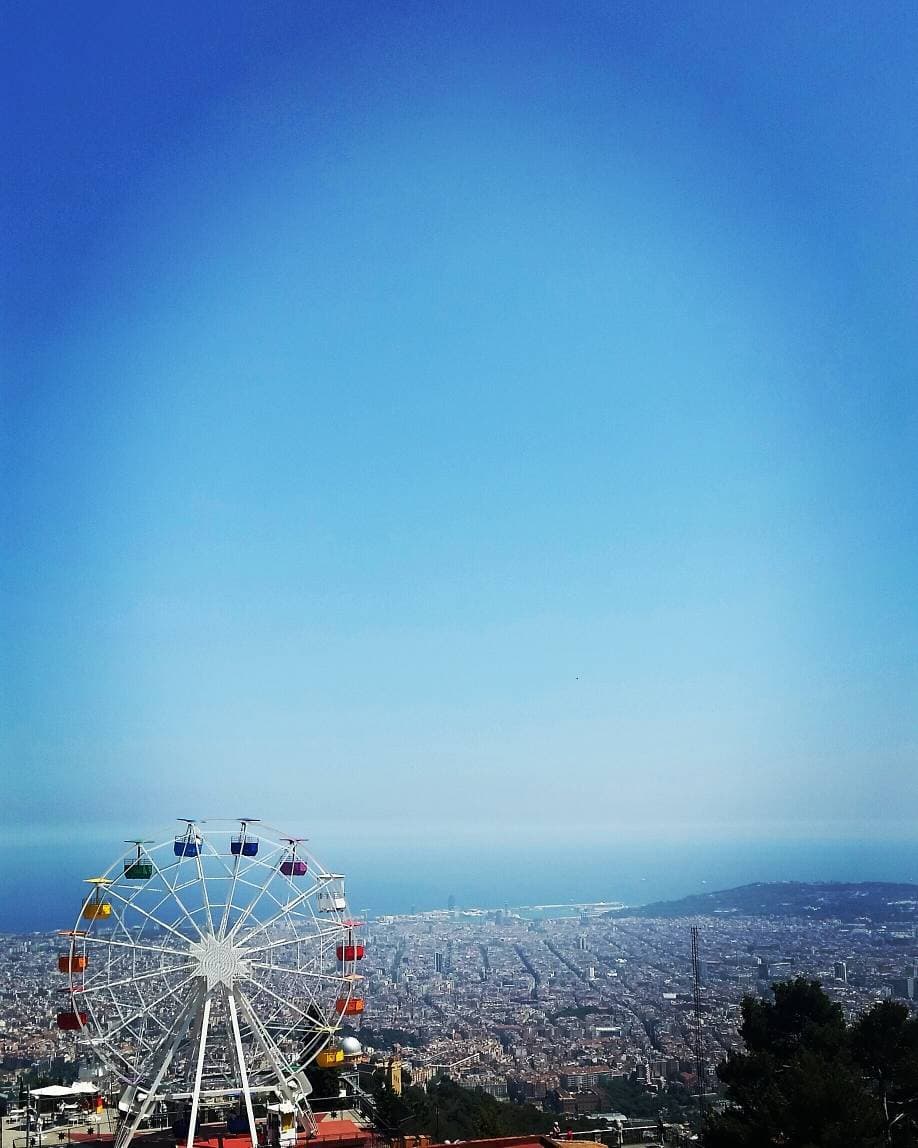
{"x":219,"y":961}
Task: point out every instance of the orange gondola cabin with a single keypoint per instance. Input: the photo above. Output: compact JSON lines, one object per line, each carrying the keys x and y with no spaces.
{"x":67,"y":963}
{"x":349,"y":1006}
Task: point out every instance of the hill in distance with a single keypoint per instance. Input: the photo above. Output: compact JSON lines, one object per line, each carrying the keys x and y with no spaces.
{"x":879,"y":901}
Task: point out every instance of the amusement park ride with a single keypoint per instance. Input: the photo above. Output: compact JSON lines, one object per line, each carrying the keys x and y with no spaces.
{"x":207,"y":972}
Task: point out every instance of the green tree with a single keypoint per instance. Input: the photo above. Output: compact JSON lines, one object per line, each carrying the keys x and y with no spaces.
{"x":395,"y":1115}
{"x":797,"y":1083}
{"x":884,"y":1044}
{"x":801,"y":1016}
{"x":325,"y":1086}
{"x":447,"y":1111}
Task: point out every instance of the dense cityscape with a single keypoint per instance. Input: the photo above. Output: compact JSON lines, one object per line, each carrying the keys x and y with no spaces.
{"x":548,"y":1005}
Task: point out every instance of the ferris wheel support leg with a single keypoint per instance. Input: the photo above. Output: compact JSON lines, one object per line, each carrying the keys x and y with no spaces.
{"x":167,"y":1050}
{"x":199,"y":1069}
{"x":243,"y":1071}
{"x":272,"y":1052}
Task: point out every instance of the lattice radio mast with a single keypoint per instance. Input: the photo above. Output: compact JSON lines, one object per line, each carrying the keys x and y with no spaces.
{"x":701,"y":1073}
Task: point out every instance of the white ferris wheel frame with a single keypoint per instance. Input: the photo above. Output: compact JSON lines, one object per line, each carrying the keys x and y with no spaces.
{"x":228,"y":930}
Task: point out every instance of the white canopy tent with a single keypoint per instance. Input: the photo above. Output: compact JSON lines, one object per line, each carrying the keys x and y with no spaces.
{"x":59,"y":1091}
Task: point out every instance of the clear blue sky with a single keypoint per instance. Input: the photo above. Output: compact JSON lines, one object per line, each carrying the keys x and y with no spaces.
{"x":467,"y":415}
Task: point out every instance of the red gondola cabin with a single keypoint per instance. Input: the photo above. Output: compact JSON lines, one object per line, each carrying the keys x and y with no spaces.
{"x":72,"y":1021}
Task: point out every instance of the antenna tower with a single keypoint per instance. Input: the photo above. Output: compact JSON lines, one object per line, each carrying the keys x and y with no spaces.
{"x":701,"y":1074}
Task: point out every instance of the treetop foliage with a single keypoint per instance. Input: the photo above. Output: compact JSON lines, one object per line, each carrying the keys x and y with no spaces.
{"x":809,"y":1080}
{"x":448,"y":1111}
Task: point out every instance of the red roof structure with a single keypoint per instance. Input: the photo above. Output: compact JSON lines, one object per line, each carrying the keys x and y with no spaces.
{"x":337,"y":1133}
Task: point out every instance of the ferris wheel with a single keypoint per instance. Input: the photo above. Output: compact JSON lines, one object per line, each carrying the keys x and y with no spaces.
{"x":208,"y":971}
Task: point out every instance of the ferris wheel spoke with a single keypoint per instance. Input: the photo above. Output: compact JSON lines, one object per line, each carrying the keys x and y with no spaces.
{"x":268,"y":1010}
{"x":140,"y":946}
{"x":169,"y":898}
{"x":240,"y":882}
{"x":320,"y":934}
{"x":168,"y":892}
{"x":144,"y":1044}
{"x":131,"y":945}
{"x":131,"y":971}
{"x":174,"y":889}
{"x":241,"y":1066}
{"x":114,"y":1055}
{"x":253,"y":904}
{"x":283,"y":992}
{"x":97,"y":993}
{"x":276,"y":903}
{"x":313,"y":1038}
{"x":156,"y":920}
{"x":132,"y":980}
{"x":126,"y":965}
{"x":128,"y":1024}
{"x":228,"y":900}
{"x":293,"y":971}
{"x":276,"y":1060}
{"x":208,"y":912}
{"x":263,"y":888}
{"x":286,"y":1004}
{"x":99,"y":1001}
{"x":149,"y":1008}
{"x":288,"y":920}
{"x":160,"y":1060}
{"x":218,"y":857}
{"x":293,"y":1028}
{"x":288,"y":907}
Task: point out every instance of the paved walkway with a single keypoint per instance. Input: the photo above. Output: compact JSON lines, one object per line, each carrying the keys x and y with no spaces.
{"x":57,"y":1134}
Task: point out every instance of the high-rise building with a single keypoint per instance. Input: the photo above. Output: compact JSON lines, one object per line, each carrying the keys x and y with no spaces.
{"x":438,"y":963}
{"x":841,"y":971}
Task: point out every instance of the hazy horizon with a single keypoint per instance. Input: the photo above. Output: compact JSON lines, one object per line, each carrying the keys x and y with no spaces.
{"x":395,"y":871}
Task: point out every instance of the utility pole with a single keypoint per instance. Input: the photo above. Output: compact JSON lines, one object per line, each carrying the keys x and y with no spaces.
{"x":700,"y":1067}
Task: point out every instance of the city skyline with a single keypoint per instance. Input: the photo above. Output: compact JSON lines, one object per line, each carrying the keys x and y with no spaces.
{"x":557,"y":1012}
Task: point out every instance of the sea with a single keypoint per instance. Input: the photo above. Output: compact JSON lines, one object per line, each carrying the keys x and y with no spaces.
{"x":41,"y":879}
